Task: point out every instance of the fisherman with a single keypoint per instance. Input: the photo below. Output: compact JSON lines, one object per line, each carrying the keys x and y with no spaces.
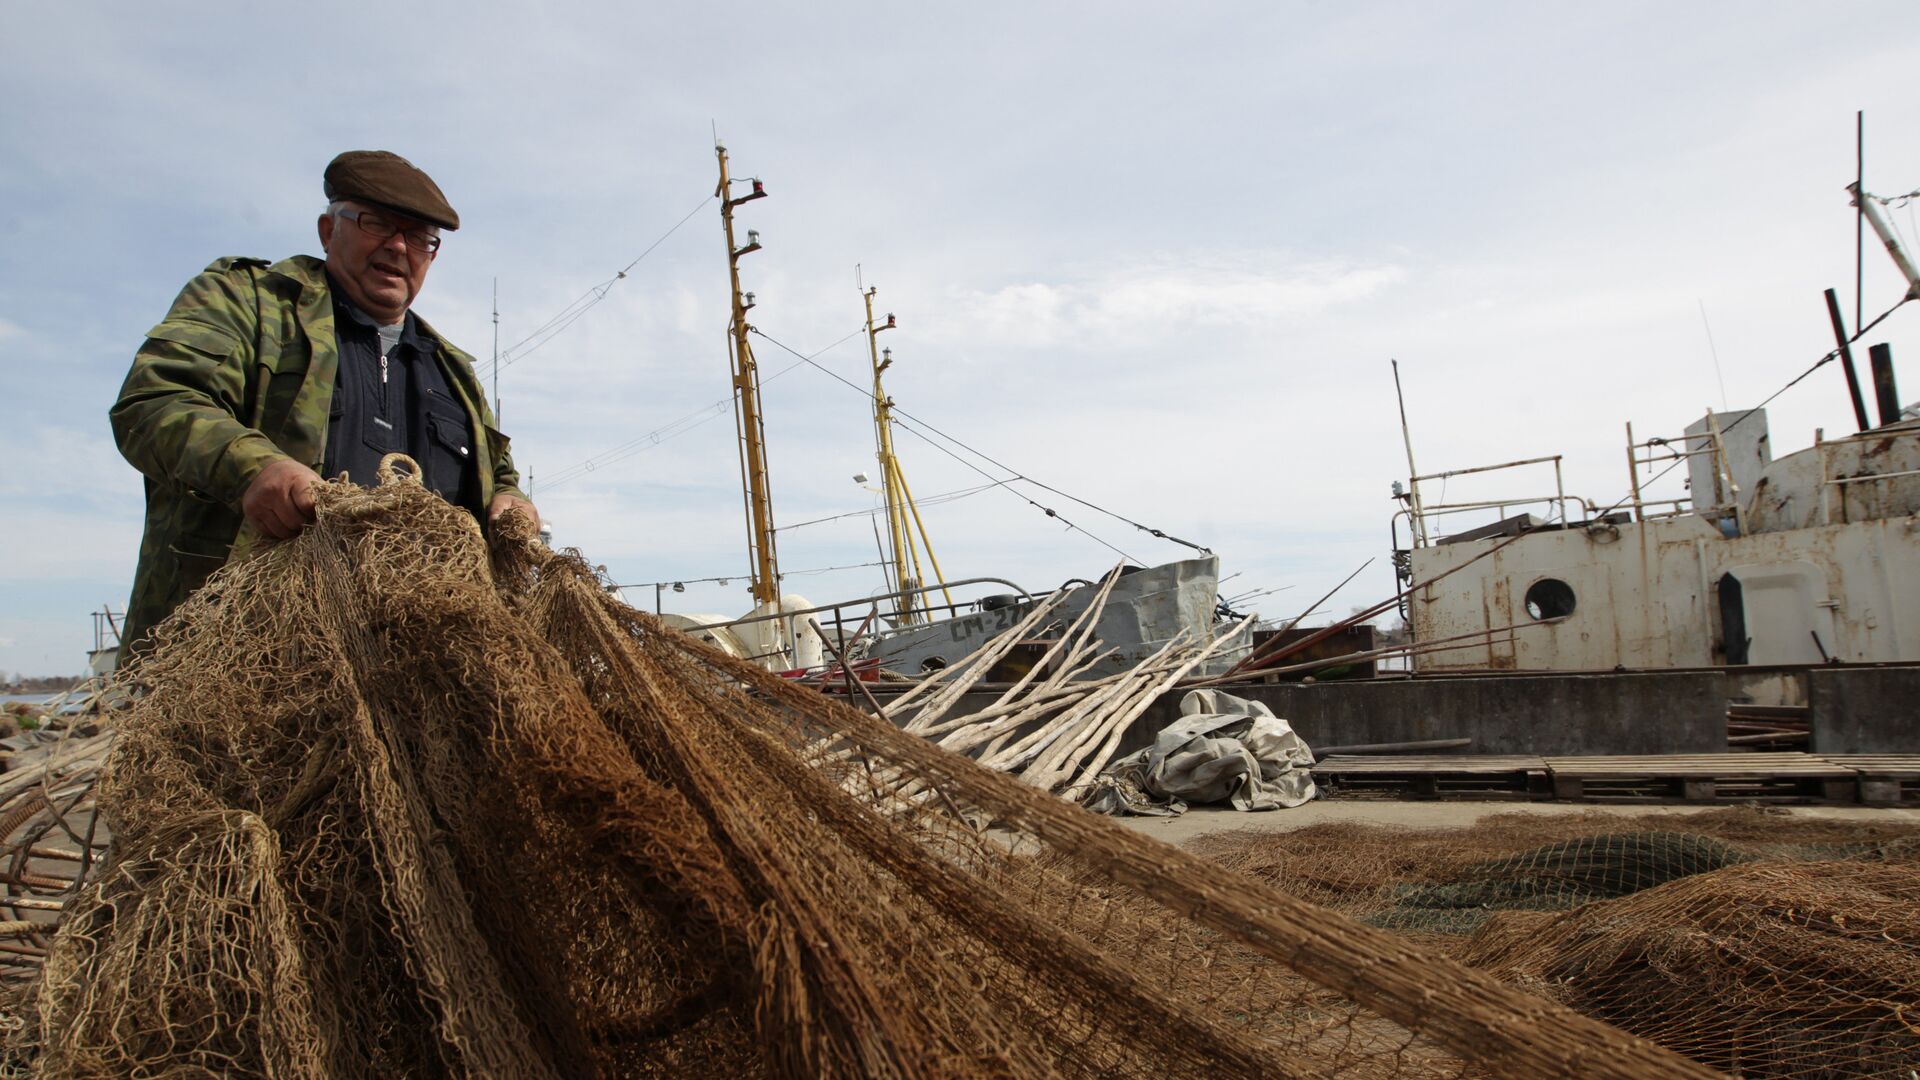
{"x":264,"y":378}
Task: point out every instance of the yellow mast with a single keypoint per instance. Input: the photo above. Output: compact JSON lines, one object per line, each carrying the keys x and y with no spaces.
{"x":746,"y":397}
{"x":899,"y":499}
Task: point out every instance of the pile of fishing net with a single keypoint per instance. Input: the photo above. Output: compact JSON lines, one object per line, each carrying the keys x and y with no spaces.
{"x":1759,"y":944}
{"x":393,"y":804}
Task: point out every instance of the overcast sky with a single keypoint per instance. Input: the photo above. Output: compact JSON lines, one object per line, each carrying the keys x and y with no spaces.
{"x":1157,"y":260}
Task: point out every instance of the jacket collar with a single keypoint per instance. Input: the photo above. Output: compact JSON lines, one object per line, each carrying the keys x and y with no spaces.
{"x":311,"y":275}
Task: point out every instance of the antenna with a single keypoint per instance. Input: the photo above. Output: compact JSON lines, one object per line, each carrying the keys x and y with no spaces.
{"x":1724,"y":407}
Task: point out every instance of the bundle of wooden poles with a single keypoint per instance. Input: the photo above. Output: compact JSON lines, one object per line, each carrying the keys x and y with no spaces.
{"x":1051,"y":728}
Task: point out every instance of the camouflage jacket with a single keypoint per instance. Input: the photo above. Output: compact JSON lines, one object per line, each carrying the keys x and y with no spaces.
{"x":238,"y":375}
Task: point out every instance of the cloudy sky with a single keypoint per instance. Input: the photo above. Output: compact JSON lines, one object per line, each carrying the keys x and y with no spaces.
{"x":1157,"y":261}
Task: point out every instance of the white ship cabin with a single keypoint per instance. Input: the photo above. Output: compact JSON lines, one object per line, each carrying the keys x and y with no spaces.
{"x":1810,"y":558}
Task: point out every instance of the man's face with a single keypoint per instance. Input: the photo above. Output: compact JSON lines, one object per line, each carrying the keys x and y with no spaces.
{"x":381,"y":275}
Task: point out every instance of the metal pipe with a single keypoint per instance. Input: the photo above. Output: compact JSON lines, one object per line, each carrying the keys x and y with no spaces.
{"x":1488,"y":468}
{"x":1899,"y":254}
{"x":1875,"y":476}
{"x":1633,"y":474}
{"x":1859,"y":214}
{"x":1392,"y":747}
{"x":1885,"y":394}
{"x":1846,"y":360}
{"x":1494,"y":504}
{"x":1559,"y":489}
{"x":1413,"y":474}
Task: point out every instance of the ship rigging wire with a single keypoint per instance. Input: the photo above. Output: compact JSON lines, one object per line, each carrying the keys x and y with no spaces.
{"x":743,"y":575}
{"x":585,"y":302}
{"x":1016,"y":475}
{"x":931,"y":500}
{"x":678,"y":427}
{"x":911,"y":430}
{"x":1895,"y":200}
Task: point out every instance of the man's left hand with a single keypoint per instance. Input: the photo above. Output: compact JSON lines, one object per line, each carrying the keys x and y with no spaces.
{"x":503,"y":503}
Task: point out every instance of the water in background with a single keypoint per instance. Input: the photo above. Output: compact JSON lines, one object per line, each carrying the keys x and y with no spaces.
{"x":31,"y":699}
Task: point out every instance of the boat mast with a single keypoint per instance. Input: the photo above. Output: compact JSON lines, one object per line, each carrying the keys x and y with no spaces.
{"x":899,"y":498}
{"x":746,"y":400}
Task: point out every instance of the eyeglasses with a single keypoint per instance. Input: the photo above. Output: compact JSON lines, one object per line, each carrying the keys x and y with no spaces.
{"x":378,"y":226}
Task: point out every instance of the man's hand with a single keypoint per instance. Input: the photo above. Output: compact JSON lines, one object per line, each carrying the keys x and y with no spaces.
{"x":279,"y":502}
{"x":503,"y":503}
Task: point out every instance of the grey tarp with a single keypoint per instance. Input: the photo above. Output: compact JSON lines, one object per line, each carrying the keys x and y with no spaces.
{"x":1222,"y":749}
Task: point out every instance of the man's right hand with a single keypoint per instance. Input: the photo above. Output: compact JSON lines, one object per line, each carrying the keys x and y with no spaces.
{"x":279,"y":502}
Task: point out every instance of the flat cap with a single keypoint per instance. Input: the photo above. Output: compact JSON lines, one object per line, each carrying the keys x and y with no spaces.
{"x":389,"y":180}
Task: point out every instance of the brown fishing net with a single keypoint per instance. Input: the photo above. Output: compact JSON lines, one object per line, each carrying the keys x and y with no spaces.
{"x":393,"y":806}
{"x":1755,"y":942}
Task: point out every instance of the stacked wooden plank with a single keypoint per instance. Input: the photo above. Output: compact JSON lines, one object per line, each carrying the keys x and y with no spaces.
{"x":1746,"y":777}
{"x":1434,"y":776}
{"x":1787,"y":776}
{"x":1885,"y":779}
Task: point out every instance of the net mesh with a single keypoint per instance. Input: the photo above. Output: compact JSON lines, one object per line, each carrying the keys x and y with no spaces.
{"x":1756,"y":942}
{"x":392,"y":803}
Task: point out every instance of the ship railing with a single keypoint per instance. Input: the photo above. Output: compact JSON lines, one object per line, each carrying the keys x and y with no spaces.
{"x":792,"y":619}
{"x":1646,"y":453}
{"x":1646,"y":509}
{"x":1823,"y":449}
{"x":106,"y":629}
{"x":1420,"y":514}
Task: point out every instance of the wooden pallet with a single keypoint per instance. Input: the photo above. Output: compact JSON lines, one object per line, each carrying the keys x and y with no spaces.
{"x":1884,"y":779}
{"x":1434,"y":776}
{"x":1732,"y":777}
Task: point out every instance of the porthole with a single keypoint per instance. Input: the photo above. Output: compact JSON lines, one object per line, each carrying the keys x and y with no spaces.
{"x":1549,"y":598}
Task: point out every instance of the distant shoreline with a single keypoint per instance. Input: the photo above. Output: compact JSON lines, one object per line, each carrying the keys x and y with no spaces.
{"x":30,"y":698}
{"x":40,"y":687}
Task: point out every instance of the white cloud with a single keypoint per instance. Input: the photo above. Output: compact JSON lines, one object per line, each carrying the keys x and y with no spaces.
{"x":1156,"y":300}
{"x":10,"y":329}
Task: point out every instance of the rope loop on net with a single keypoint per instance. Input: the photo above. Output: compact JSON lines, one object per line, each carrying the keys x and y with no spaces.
{"x":399,"y":468}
